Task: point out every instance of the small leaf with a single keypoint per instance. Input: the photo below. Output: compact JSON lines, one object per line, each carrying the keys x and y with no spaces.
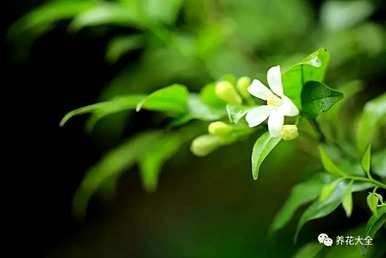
{"x":376,"y":221}
{"x":301,"y":194}
{"x":318,"y":98}
{"x":347,"y":200}
{"x":312,"y":68}
{"x":103,"y":109}
{"x":327,"y":190}
{"x":366,"y":160}
{"x":372,"y":202}
{"x":263,"y":146}
{"x":373,"y":115}
{"x":236,"y":113}
{"x":320,"y":209}
{"x":170,"y":99}
{"x":328,"y":164}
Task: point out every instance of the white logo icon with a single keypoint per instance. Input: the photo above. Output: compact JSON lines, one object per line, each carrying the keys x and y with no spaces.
{"x":325,"y":240}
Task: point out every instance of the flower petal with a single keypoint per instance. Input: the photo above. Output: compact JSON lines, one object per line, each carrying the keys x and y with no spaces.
{"x":275,"y":123}
{"x":259,"y":90}
{"x":287,"y":107}
{"x":274,"y":80}
{"x":257,"y":115}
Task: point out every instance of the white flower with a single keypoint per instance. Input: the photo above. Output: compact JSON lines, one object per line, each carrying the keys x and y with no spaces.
{"x":278,"y":105}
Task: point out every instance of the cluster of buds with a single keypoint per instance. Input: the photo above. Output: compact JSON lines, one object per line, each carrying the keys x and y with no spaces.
{"x":221,"y":133}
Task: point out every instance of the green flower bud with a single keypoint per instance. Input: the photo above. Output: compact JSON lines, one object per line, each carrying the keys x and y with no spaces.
{"x":205,"y":144}
{"x":226,"y":92}
{"x":243,"y":84}
{"x":219,"y":128}
{"x":289,"y":132}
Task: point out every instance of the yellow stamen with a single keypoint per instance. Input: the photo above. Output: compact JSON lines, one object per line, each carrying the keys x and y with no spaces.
{"x":273,"y":100}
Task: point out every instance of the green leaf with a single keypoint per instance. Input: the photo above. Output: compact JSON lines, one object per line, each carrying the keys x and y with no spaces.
{"x":379,"y":163}
{"x":366,"y":160}
{"x":170,"y":99}
{"x":376,"y":221}
{"x":310,"y":250}
{"x":372,"y":202}
{"x":42,"y":18}
{"x":199,"y":110}
{"x":263,"y":146}
{"x":236,"y":113}
{"x":150,"y":163}
{"x":347,"y":200}
{"x":327,"y":190}
{"x":312,"y":68}
{"x":328,"y":164}
{"x":108,"y":14}
{"x":121,"y":45}
{"x":371,"y":119}
{"x":103,"y":109}
{"x":113,"y":163}
{"x":301,"y":194}
{"x":320,"y":209}
{"x":318,"y":98}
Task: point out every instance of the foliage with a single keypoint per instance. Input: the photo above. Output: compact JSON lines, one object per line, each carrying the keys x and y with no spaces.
{"x":211,"y":48}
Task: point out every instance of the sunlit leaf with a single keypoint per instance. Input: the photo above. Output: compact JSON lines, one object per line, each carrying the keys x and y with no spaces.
{"x":373,"y":116}
{"x":318,"y":98}
{"x":103,"y":109}
{"x":263,"y":146}
{"x":376,"y":221}
{"x":312,"y":68}
{"x":121,"y":45}
{"x":169,"y":99}
{"x":301,"y":194}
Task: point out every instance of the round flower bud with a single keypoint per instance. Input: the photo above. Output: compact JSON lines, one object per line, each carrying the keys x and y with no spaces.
{"x":242,"y":85}
{"x":289,"y":132}
{"x":219,"y":128}
{"x":204,"y":144}
{"x":226,"y":92}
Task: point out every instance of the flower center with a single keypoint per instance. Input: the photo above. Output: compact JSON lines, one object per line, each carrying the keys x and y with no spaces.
{"x":273,"y":100}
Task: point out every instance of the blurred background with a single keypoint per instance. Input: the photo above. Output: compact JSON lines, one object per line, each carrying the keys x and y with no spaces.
{"x":68,"y":54}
